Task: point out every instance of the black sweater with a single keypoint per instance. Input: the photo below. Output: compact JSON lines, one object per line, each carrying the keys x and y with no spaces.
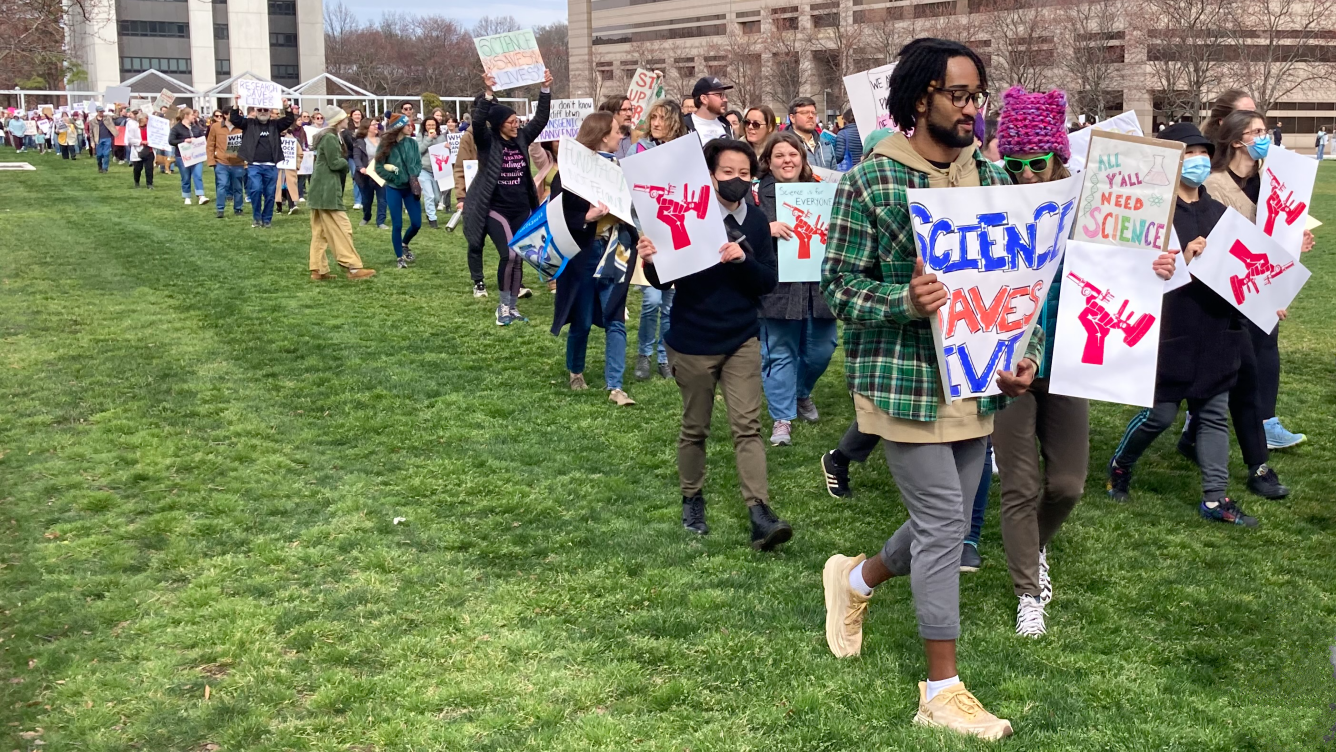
{"x":261,"y":143}
{"x":714,"y":310}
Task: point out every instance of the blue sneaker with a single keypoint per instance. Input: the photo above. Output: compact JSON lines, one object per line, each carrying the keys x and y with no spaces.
{"x":1225,"y":510}
{"x":503,"y":317}
{"x":1277,"y":437}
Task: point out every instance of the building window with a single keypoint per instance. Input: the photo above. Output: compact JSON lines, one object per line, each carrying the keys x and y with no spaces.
{"x":282,"y":71}
{"x":220,"y":31}
{"x":163,"y":64}
{"x":154,"y":29}
{"x":689,"y":32}
{"x":750,"y":27}
{"x":282,"y":7}
{"x":605,"y":74}
{"x":786,"y":24}
{"x":826,"y":21}
{"x":282,"y":40}
{"x":222,"y":66}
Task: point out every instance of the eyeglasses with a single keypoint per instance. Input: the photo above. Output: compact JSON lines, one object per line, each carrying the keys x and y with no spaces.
{"x":1016,"y":165}
{"x":959,"y":97}
{"x":628,"y":108}
{"x":1255,"y":133}
{"x":757,"y":124}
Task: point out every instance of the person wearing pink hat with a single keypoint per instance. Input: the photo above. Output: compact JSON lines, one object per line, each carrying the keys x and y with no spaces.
{"x":1032,"y":140}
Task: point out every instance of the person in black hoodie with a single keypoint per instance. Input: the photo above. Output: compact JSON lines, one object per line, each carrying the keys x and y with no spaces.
{"x":261,"y":150}
{"x":713,"y":341}
{"x":1202,"y":346}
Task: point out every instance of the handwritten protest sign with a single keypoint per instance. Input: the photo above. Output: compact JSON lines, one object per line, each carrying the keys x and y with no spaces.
{"x":868,"y":91}
{"x":1287,"y":192}
{"x":996,"y":250}
{"x":646,"y":89}
{"x":453,"y":140}
{"x":470,"y":172}
{"x":261,"y":94}
{"x":289,"y":162}
{"x":806,"y":208}
{"x":193,"y":151}
{"x":1126,"y":123}
{"x":442,"y":165}
{"x":1249,"y":270}
{"x":512,"y":58}
{"x":566,"y":116}
{"x":594,"y":179}
{"x":141,"y":105}
{"x":116,"y":95}
{"x":683,"y":221}
{"x":165,"y":99}
{"x":1129,"y":191}
{"x":159,"y":128}
{"x":1108,"y":331}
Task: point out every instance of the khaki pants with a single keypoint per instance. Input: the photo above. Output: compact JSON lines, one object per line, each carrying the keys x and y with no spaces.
{"x":1034,"y":506}
{"x":330,"y":227}
{"x":739,"y":373}
{"x":290,"y":178}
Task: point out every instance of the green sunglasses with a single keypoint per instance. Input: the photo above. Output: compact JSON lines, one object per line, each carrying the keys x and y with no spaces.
{"x":1016,"y":165}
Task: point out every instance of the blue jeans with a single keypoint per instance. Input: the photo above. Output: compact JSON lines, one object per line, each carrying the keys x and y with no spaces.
{"x":794,"y":354}
{"x":596,"y":292}
{"x":227,"y":182}
{"x":104,"y":154}
{"x":399,"y":199}
{"x":193,"y":173}
{"x":655,"y":306}
{"x":981,"y":496}
{"x":373,"y":193}
{"x":430,"y":193}
{"x":357,"y":193}
{"x":1321,"y":149}
{"x":260,"y":183}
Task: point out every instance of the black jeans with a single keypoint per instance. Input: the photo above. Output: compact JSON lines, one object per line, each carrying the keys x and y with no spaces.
{"x":1253,"y":399}
{"x":145,"y":165}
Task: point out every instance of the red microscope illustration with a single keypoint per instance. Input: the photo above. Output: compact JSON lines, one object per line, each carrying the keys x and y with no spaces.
{"x":806,"y":230}
{"x":1257,"y":268}
{"x":1276,"y":206}
{"x":673,"y":212}
{"x":1098,"y":322}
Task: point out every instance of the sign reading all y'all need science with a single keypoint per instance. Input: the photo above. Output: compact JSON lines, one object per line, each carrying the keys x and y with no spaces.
{"x":1129,"y":191}
{"x":512,"y":58}
{"x":565,"y":118}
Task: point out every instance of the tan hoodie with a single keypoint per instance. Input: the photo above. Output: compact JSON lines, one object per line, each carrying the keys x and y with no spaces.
{"x":961,"y":174}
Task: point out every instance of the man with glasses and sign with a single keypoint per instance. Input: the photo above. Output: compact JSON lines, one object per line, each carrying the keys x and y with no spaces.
{"x":709,"y":121}
{"x":622,"y":111}
{"x":875,"y":282}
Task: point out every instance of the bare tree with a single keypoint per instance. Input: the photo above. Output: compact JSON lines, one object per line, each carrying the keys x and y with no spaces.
{"x":553,"y":43}
{"x":487,"y":25}
{"x":1272,"y":46}
{"x":33,"y":33}
{"x":1094,"y":35}
{"x":1185,"y":50}
{"x":745,"y":68}
{"x":789,"y":67}
{"x":1022,"y":54}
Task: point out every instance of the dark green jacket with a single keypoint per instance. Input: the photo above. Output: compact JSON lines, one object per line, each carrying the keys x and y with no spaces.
{"x":325,"y":190}
{"x":403,"y":155}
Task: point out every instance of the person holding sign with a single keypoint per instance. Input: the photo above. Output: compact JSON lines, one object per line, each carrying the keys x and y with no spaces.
{"x":365,"y":142}
{"x":261,"y":150}
{"x":713,"y":343}
{"x":229,"y":172}
{"x":1202,"y":344}
{"x":874,"y":280}
{"x":188,"y":130}
{"x":144,"y":153}
{"x":329,"y":220}
{"x":430,"y":136}
{"x":398,"y":163}
{"x":797,"y":326}
{"x":503,"y":194}
{"x":665,"y":124}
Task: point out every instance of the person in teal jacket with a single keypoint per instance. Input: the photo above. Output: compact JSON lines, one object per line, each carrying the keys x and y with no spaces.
{"x":399,"y":163}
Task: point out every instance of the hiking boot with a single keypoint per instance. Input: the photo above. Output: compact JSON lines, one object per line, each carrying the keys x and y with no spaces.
{"x":837,"y":476}
{"x":1119,"y":480}
{"x":1225,"y":510}
{"x":1030,"y":617}
{"x":970,"y":560}
{"x":665,"y":370}
{"x":642,"y":372}
{"x":320,"y":277}
{"x":693,"y":514}
{"x":620,"y":398}
{"x":807,"y":410}
{"x":578,"y":382}
{"x":1277,"y":437}
{"x":783,"y":433}
{"x":845,"y":607}
{"x":220,"y":214}
{"x":956,"y":709}
{"x":768,"y":530}
{"x":1265,"y":483}
{"x":356,"y":274}
{"x":479,"y":290}
{"x":1045,"y":582}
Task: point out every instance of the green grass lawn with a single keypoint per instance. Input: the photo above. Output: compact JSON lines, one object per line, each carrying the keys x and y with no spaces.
{"x":202,"y":453}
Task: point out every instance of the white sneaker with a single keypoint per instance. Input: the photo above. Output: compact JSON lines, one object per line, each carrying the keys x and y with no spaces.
{"x":1045,"y":584}
{"x":1030,"y":617}
{"x":357,"y":206}
{"x":203,"y":200}
{"x":187,"y":202}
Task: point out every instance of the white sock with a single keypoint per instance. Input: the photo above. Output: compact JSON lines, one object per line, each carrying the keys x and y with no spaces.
{"x":856,"y":580}
{"x":937,"y":686}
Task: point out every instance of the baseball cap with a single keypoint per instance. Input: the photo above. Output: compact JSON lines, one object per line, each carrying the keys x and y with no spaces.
{"x":709,"y":85}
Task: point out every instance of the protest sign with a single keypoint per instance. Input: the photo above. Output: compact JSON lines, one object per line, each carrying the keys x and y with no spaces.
{"x":1130,"y":189}
{"x":1108,"y":329}
{"x":1287,"y":192}
{"x":289,"y":162}
{"x":512,"y":58}
{"x":806,"y":208}
{"x":544,"y":241}
{"x":996,"y":250}
{"x":262,"y":94}
{"x":824,"y":175}
{"x":165,"y":99}
{"x":311,"y":130}
{"x":46,"y":110}
{"x":1249,"y":270}
{"x":470,"y":172}
{"x":159,"y":128}
{"x":308,"y":162}
{"x":1126,"y":123}
{"x":868,"y":91}
{"x":453,"y":140}
{"x":595,"y":179}
{"x":1182,"y":277}
{"x":115,"y":95}
{"x":565,"y":118}
{"x":646,"y":89}
{"x":193,"y":151}
{"x":442,"y":166}
{"x":685,"y":224}
{"x":79,"y":106}
{"x":141,"y":105}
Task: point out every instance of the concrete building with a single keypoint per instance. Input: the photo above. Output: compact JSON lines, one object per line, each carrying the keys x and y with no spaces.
{"x":200,"y":42}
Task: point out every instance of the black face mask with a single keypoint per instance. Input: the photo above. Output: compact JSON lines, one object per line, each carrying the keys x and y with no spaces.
{"x":734,"y":189}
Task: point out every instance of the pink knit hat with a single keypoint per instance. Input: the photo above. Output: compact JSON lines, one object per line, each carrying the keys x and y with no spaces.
{"x":1033,"y":123}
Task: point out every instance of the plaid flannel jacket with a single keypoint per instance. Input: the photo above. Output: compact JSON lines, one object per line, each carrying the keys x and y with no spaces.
{"x":890,"y":356}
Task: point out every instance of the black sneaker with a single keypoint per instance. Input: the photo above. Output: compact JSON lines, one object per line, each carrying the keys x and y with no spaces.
{"x":220,"y":215}
{"x":408,"y":255}
{"x":433,"y":224}
{"x":1265,"y":483}
{"x":1225,"y":510}
{"x":402,"y":263}
{"x":665,"y":371}
{"x":837,"y":476}
{"x":1188,"y":448}
{"x":970,"y":560}
{"x":693,"y":514}
{"x":768,"y":530}
{"x":1119,"y":480}
{"x":643,"y":372}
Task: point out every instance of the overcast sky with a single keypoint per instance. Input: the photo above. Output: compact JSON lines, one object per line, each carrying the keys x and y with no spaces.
{"x":530,"y":12}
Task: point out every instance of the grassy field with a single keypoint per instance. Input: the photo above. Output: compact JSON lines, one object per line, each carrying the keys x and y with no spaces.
{"x":202,"y":454}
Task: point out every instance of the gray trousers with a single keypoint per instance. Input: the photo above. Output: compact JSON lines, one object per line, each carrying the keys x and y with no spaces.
{"x":1212,"y":439}
{"x":937,"y":484}
{"x":857,"y":445}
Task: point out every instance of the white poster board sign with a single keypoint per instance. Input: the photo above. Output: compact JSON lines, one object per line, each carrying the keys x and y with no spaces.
{"x":1108,"y":330}
{"x":996,"y":250}
{"x":683,"y":221}
{"x":289,"y":162}
{"x":165,"y":99}
{"x":470,"y":172}
{"x":308,"y":162}
{"x":1287,"y":192}
{"x":262,"y":94}
{"x":159,"y":129}
{"x":115,"y":95}
{"x":141,"y":105}
{"x":442,"y":167}
{"x":806,"y":208}
{"x":1126,"y":123}
{"x":1130,"y":191}
{"x":1182,"y":277}
{"x":1249,"y":270}
{"x":566,"y":116}
{"x":646,"y":89}
{"x":868,"y":91}
{"x":595,"y":179}
{"x":193,"y":151}
{"x":453,"y":140}
{"x":512,"y":58}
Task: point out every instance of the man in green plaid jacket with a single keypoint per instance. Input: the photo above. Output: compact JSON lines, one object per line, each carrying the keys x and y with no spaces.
{"x":874,"y":281}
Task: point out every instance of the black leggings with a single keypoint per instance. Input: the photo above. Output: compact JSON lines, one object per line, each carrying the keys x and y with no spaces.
{"x":1267,"y":349}
{"x":510,"y":267}
{"x":145,"y":165}
{"x":1253,"y":399}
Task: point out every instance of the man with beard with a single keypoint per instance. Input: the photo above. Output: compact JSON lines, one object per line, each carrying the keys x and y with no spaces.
{"x":875,"y":282}
{"x":622,"y":111}
{"x":262,"y":150}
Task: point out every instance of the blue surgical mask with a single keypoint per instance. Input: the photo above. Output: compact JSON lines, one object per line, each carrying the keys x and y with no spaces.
{"x":1195,"y":170}
{"x":1259,"y":147}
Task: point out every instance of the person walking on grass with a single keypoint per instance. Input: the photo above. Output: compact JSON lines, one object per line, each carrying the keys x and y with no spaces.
{"x":348,"y":134}
{"x":713,"y":343}
{"x":188,"y":130}
{"x":591,"y":290}
{"x":398,"y":163}
{"x":329,"y":221}
{"x":430,"y":136}
{"x":656,"y":306}
{"x":797,"y":327}
{"x":468,"y":151}
{"x":261,"y":150}
{"x":229,"y":172}
{"x":365,"y":144}
{"x":287,"y":181}
{"x":144,"y":152}
{"x":104,"y":135}
{"x":503,"y":194}
{"x":874,"y":281}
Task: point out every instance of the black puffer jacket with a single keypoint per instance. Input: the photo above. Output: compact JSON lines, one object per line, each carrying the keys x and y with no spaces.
{"x":478,"y":200}
{"x":790,"y":300}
